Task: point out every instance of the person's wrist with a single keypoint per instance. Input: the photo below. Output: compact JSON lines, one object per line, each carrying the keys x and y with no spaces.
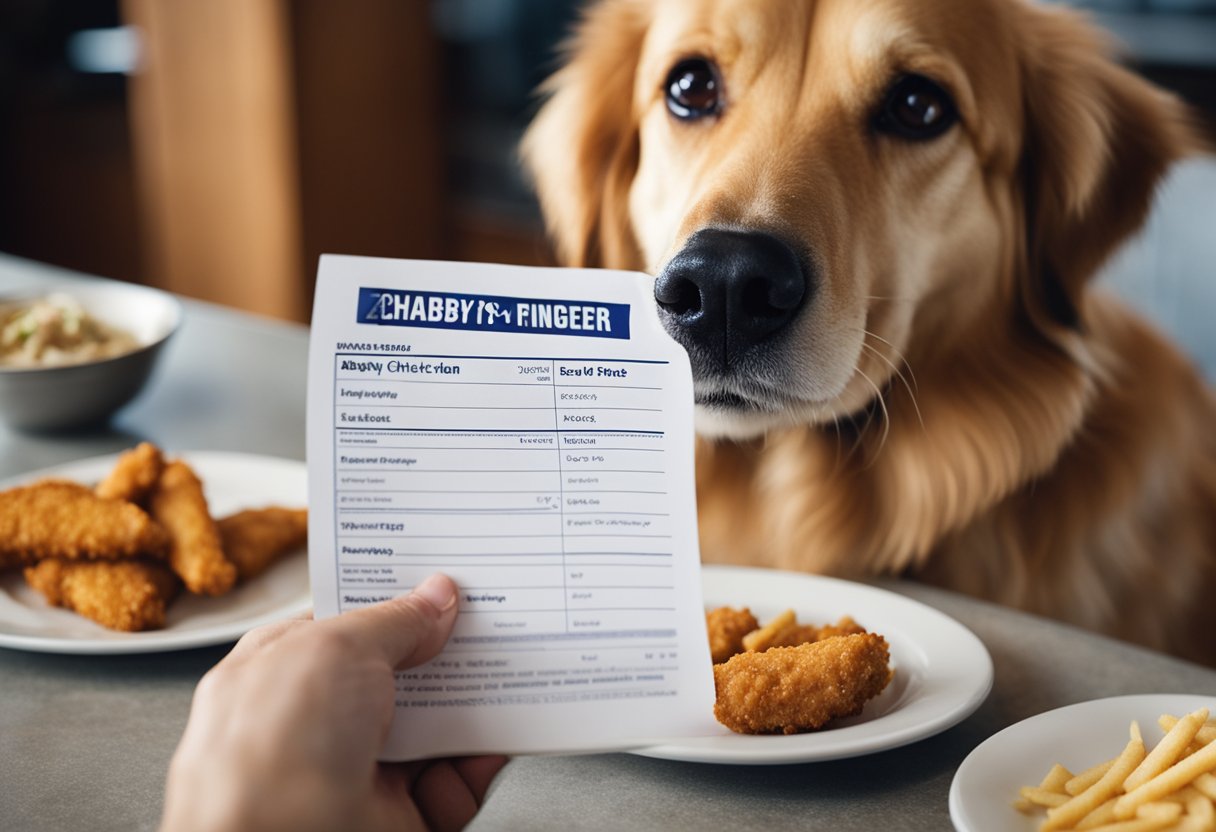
{"x":235,"y":799}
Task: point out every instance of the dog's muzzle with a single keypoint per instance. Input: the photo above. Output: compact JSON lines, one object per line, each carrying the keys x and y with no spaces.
{"x":724,"y":297}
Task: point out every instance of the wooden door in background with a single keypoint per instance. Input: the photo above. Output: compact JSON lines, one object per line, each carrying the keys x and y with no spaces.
{"x":266,"y":132}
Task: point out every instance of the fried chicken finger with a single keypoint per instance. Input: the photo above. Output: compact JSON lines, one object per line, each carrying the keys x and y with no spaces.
{"x":134,"y":475}
{"x":59,"y":519}
{"x":256,"y":538}
{"x":794,"y":689}
{"x":727,"y":626}
{"x":121,"y":595}
{"x":195,"y":553}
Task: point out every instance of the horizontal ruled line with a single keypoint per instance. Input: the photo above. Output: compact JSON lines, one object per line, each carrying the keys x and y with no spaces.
{"x":409,"y":355}
{"x":534,"y":448}
{"x":495,"y":408}
{"x":442,"y":406}
{"x":441,"y":536}
{"x":563,"y":587}
{"x":452,"y":471}
{"x":441,"y":431}
{"x":630,"y":513}
{"x":503,"y":491}
{"x":510,"y":555}
{"x":460,"y":555}
{"x":574,"y":472}
{"x":536,"y":385}
{"x":555,"y":511}
{"x":571,"y":610}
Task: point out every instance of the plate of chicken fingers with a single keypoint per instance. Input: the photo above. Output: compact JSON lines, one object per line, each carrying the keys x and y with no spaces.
{"x":148,"y":551}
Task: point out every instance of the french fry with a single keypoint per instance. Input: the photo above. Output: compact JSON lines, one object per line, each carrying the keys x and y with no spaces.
{"x":1206,"y":783}
{"x":760,"y":640}
{"x":1170,"y":780}
{"x":1168,"y":751}
{"x":1039,"y":796}
{"x":1206,"y":734}
{"x":1055,"y":779}
{"x":1183,"y":795}
{"x":1160,"y":811}
{"x":1138,"y":825}
{"x":1154,"y":820}
{"x":1107,"y":786}
{"x":1088,"y":777}
{"x":1205,"y":810}
{"x":1101,"y":816}
{"x":1200,"y":816}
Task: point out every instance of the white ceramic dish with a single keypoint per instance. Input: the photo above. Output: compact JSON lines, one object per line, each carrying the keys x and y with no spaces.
{"x":942,"y":671}
{"x":232,"y":482}
{"x":1076,"y":736}
{"x":77,"y":395}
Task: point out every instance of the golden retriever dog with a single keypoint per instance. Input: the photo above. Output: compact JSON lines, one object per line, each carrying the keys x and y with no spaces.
{"x":873,"y":225}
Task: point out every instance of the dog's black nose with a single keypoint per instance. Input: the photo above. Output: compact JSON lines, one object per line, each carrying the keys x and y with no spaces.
{"x":726,"y":291}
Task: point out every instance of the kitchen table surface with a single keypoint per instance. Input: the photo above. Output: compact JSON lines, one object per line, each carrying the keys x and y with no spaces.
{"x":85,"y":740}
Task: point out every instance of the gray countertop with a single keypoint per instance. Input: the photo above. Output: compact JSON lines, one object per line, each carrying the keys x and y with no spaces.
{"x":85,"y":740}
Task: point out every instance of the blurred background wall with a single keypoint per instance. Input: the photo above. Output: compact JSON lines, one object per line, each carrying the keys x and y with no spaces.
{"x":217,"y":147}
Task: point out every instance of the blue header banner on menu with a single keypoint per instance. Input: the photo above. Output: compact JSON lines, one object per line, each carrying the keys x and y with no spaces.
{"x":493,"y":313}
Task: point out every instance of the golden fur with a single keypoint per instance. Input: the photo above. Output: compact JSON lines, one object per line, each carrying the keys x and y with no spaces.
{"x":964,"y":407}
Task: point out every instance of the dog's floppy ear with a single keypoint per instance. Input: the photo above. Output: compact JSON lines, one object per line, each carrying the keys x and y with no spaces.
{"x":582,"y":149}
{"x":1098,"y":140}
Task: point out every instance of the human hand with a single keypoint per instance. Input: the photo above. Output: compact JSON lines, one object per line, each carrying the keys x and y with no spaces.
{"x":284,"y":732}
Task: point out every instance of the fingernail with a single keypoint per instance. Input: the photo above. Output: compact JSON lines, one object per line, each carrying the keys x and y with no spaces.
{"x":438,"y":591}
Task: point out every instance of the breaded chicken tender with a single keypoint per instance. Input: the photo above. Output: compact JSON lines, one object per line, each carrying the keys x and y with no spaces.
{"x":727,"y":626}
{"x":793,"y":635}
{"x":846,"y":626}
{"x":134,"y":475}
{"x":195,"y":553}
{"x":256,"y":538}
{"x":785,"y":631}
{"x":794,"y":689}
{"x":60,"y":519}
{"x":122,"y":595}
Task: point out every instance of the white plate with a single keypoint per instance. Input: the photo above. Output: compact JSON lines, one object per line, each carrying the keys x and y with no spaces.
{"x":1077,"y":737}
{"x":231,"y":482}
{"x":942,"y":671}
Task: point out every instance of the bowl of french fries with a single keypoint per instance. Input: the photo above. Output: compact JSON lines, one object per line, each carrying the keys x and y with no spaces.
{"x":1125,"y":764}
{"x":1167,"y":786}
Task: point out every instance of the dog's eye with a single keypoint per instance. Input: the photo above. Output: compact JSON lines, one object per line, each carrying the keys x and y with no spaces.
{"x":917,"y":109}
{"x":694,"y":89}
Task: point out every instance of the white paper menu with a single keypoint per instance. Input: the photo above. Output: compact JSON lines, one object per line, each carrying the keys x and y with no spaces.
{"x":528,"y":432}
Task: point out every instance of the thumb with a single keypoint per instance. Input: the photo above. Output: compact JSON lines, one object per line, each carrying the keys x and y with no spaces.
{"x":408,"y":630}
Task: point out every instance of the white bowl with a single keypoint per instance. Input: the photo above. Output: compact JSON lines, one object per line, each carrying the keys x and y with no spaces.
{"x":78,"y":395}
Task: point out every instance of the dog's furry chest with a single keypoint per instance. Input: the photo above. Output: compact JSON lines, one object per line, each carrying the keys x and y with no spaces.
{"x":1105,"y":518}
